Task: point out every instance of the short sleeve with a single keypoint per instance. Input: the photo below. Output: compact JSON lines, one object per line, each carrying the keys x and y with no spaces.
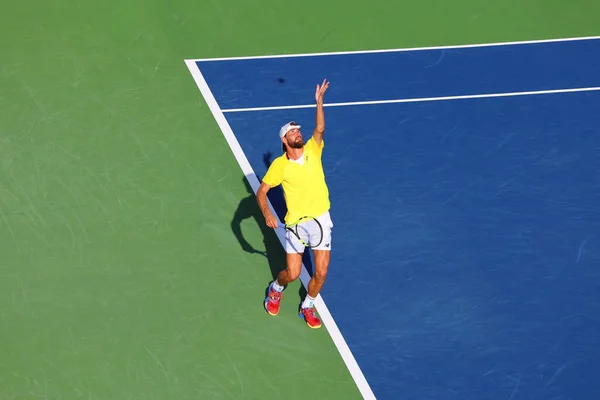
{"x":314,"y":147}
{"x":274,"y":175}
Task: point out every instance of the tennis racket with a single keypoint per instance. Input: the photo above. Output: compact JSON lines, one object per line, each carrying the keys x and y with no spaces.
{"x":308,"y":230}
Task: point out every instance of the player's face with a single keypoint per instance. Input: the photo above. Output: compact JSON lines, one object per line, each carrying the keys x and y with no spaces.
{"x":294,"y":139}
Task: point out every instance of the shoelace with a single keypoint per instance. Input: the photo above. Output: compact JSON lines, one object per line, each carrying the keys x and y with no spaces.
{"x":310,"y":312}
{"x":275,"y":296}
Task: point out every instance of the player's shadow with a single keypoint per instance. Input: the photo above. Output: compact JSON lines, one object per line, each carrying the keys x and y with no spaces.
{"x":274,"y":251}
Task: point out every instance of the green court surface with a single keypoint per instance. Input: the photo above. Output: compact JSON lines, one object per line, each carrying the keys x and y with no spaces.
{"x":123,"y":270}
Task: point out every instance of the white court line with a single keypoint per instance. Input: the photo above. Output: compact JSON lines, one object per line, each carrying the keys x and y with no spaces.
{"x":460,"y":46}
{"x":326,"y":317}
{"x":419,"y":99}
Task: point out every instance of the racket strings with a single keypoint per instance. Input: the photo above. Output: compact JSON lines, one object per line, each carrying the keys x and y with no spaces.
{"x":304,"y":233}
{"x":309,"y":232}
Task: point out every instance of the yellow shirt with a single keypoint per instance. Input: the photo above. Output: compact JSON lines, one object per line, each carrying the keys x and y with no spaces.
{"x":304,"y":187}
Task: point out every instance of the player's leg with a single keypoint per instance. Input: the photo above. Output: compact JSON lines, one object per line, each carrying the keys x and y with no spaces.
{"x":307,"y":309}
{"x":294,"y":250}
{"x":317,"y":281}
{"x":292,"y":272}
{"x":322,"y":256}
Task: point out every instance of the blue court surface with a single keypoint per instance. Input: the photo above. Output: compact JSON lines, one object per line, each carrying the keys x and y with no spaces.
{"x":465,"y":191}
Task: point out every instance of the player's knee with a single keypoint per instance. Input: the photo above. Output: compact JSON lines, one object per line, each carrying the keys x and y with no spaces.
{"x":294,"y":266}
{"x":293,"y":275}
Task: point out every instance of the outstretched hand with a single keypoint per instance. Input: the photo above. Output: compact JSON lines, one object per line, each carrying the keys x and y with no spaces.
{"x":321,"y":89}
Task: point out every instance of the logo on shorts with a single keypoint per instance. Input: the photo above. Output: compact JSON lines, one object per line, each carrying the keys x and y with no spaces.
{"x":327,"y":245}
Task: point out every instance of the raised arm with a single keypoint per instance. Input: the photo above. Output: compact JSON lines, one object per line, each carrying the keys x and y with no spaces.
{"x":320,"y":118}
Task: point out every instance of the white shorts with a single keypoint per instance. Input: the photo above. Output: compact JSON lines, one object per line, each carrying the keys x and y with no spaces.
{"x":293,"y":245}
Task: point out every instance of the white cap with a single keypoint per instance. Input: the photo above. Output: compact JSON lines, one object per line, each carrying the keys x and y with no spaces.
{"x":288,"y":127}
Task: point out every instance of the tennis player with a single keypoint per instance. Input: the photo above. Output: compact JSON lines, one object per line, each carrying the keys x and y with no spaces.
{"x":300,"y":172}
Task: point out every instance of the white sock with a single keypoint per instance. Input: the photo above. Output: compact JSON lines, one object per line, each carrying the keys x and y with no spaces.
{"x":277,"y":287}
{"x":308,"y":302}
